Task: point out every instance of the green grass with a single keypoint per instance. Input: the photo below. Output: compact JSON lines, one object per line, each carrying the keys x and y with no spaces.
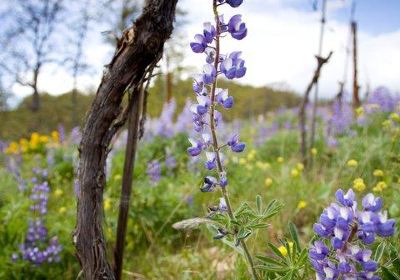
{"x":157,"y":251}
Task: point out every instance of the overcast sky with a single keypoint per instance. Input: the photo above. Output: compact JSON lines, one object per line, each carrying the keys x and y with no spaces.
{"x":282,"y":39}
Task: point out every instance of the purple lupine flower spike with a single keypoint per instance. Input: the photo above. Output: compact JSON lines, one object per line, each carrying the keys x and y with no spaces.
{"x":343,"y":225}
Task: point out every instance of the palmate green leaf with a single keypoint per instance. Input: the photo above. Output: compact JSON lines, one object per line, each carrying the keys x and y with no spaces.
{"x":244,"y":207}
{"x":272,"y":209}
{"x":294,"y":235}
{"x":379,"y":252}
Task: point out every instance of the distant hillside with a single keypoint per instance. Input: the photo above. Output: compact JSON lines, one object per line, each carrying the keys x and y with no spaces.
{"x":249,"y":102}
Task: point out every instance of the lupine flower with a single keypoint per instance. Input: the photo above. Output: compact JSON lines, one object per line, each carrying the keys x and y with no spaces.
{"x":237,"y":28}
{"x":232,"y":3}
{"x":37,"y":234}
{"x":209,"y":184}
{"x":196,"y":148}
{"x":154,"y":171}
{"x":170,"y":162}
{"x":235,"y":145}
{"x":233,"y":66}
{"x":202,"y":107}
{"x":222,"y":205}
{"x":209,"y":74}
{"x":343,"y":224}
{"x":223,"y":98}
{"x":211,"y":161}
{"x":199,"y":45}
{"x":205,"y":116}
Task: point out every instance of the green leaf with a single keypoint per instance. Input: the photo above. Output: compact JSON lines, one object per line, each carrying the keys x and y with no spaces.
{"x":232,"y":245}
{"x":259,"y":203}
{"x":387,"y":274}
{"x":272,"y":268}
{"x":396,"y":265}
{"x":260,"y":225}
{"x":269,"y":260}
{"x":294,"y":234}
{"x":379,"y":252}
{"x":243,"y":233}
{"x":272,"y":209}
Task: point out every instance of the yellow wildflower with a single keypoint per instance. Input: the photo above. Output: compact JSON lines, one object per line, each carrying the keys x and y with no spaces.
{"x":44,"y":139}
{"x":352,"y":163}
{"x":268,"y":182}
{"x":283,"y":250}
{"x":381,"y":185}
{"x":58,"y":192}
{"x":24,"y":143}
{"x":251,"y":155}
{"x":117,"y":177}
{"x":378,"y":173}
{"x":295,"y":173}
{"x":55,"y":136}
{"x":263,"y":165}
{"x":280,"y":159}
{"x":360,"y":111}
{"x":314,"y":151}
{"x":359,"y":184}
{"x":387,"y":124}
{"x":395,"y":117}
{"x":62,"y":210}
{"x":302,"y":204}
{"x":242,"y":161}
{"x":12,"y":148}
{"x":107,"y":203}
{"x":300,"y":166}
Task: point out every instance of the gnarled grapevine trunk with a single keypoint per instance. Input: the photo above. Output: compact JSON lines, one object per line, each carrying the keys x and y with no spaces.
{"x":140,"y":47}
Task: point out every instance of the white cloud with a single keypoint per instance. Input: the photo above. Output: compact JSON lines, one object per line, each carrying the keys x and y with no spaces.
{"x":282,"y":42}
{"x":280,"y":47}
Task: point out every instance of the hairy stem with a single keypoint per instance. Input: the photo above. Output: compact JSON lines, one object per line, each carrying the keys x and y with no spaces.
{"x":216,"y":147}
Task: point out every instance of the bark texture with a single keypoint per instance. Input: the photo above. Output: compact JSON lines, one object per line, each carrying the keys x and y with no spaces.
{"x":140,"y":47}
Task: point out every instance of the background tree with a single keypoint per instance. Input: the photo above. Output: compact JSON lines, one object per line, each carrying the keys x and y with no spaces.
{"x":29,"y":41}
